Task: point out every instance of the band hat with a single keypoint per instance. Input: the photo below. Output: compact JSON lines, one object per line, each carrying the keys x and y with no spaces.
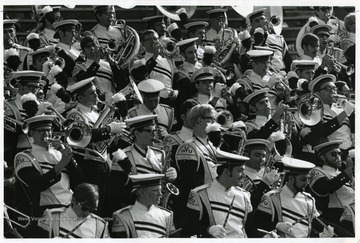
{"x":45,"y":51}
{"x":64,"y":24}
{"x":259,"y":55}
{"x":81,"y":86}
{"x":303,"y":64}
{"x":9,"y":23}
{"x":145,"y":180}
{"x":320,"y":29}
{"x":325,"y":147}
{"x":172,"y":27}
{"x":296,"y":166}
{"x":256,"y":96}
{"x":27,"y":76}
{"x":56,"y":8}
{"x":234,"y":87}
{"x":47,"y":9}
{"x":213,"y":13}
{"x":154,"y":19}
{"x":257,"y":13}
{"x":229,"y":158}
{"x":346,"y":43}
{"x":141,"y":121}
{"x":191,"y":26}
{"x":44,"y":121}
{"x":257,"y":143}
{"x":32,"y":36}
{"x":103,"y":8}
{"x":259,"y":30}
{"x":28,"y":97}
{"x":184,"y":44}
{"x":151,"y":87}
{"x":10,"y":52}
{"x":203,"y":74}
{"x":316,"y":83}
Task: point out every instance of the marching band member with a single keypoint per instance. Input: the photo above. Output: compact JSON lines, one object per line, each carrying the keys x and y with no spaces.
{"x":159,"y":67}
{"x":150,"y":91}
{"x":66,"y":31}
{"x":304,"y":68}
{"x":218,"y":25}
{"x":47,"y":173}
{"x":333,"y":187}
{"x":146,"y":158}
{"x":195,"y":159}
{"x":259,"y":177}
{"x":260,"y":61}
{"x":144,"y":219}
{"x":323,"y":15}
{"x":95,"y":172}
{"x":219,"y":209}
{"x":104,"y":29}
{"x":9,"y":37}
{"x":40,"y":59}
{"x":289,"y":209}
{"x":281,"y":59}
{"x":76,"y":221}
{"x":336,"y":123}
{"x":203,"y":79}
{"x":46,"y":30}
{"x":157,"y":24}
{"x":259,"y":106}
{"x":197,"y":29}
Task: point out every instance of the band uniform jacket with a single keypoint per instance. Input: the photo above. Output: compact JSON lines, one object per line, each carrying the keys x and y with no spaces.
{"x":334,"y":189}
{"x":260,"y":127}
{"x":64,"y":223}
{"x":281,"y":205}
{"x":140,"y":221}
{"x":104,"y":34}
{"x":210,"y":204}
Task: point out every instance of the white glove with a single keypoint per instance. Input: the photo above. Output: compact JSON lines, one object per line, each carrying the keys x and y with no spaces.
{"x":284,"y":227}
{"x":272,"y":234}
{"x":271,"y":177}
{"x":334,"y":38}
{"x":218,"y":89}
{"x":116,"y":127}
{"x":217,"y":231}
{"x":349,"y":107}
{"x":171,"y":174}
{"x":305,"y":131}
{"x":276,"y":136}
{"x":327,"y":233}
{"x":43,"y":107}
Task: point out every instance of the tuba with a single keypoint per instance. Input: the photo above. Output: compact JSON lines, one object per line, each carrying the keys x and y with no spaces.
{"x":172,"y":11}
{"x":122,"y":53}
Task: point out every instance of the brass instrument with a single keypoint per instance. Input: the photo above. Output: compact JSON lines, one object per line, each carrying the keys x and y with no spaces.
{"x":24,"y":218}
{"x":310,"y":109}
{"x":172,"y":11}
{"x":122,"y":53}
{"x":168,"y":47}
{"x":11,"y":124}
{"x":86,"y":151}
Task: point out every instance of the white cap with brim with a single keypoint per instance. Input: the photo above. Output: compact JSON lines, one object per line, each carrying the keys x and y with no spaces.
{"x":80,"y":86}
{"x":40,"y":121}
{"x":184,"y":44}
{"x":203,"y":74}
{"x":324,"y":147}
{"x":196,"y":25}
{"x":47,"y":9}
{"x":141,"y":121}
{"x":256,"y":96}
{"x":316,"y":83}
{"x":257,"y":143}
{"x":229,"y":158}
{"x":259,"y":55}
{"x":296,"y":166}
{"x":150,"y":86}
{"x":145,"y":180}
{"x":257,"y":13}
{"x":32,"y":36}
{"x":27,"y":76}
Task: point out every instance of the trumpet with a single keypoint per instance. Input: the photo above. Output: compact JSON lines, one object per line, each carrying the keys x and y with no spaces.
{"x":25,"y":218}
{"x":96,"y":155}
{"x":168,"y":47}
{"x":268,"y":24}
{"x":11,"y":124}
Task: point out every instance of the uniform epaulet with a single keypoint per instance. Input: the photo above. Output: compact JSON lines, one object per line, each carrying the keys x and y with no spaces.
{"x":201,"y":188}
{"x":76,"y":115}
{"x":128,"y":149}
{"x":166,"y":106}
{"x":97,"y":218}
{"x":273,"y":192}
{"x":165,"y":209}
{"x":307,"y":195}
{"x":170,"y":139}
{"x":123,"y":209}
{"x":240,"y":189}
{"x":156,"y":149}
{"x":186,"y":151}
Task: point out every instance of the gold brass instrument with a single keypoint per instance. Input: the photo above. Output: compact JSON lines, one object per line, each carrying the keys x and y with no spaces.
{"x":172,"y":11}
{"x":123,"y":52}
{"x":310,"y":109}
{"x":89,"y":153}
{"x":168,"y":47}
{"x":11,"y":124}
{"x":24,"y":218}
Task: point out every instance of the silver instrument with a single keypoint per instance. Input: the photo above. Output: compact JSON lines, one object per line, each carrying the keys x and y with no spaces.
{"x":172,"y":11}
{"x":25,"y":218}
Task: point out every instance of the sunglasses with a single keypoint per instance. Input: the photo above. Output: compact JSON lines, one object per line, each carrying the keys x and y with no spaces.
{"x":335,"y":154}
{"x":330,"y":89}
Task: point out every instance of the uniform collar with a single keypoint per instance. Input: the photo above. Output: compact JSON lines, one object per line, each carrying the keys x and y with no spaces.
{"x":287,"y":192}
{"x":261,"y":118}
{"x":85,"y":108}
{"x":329,"y":169}
{"x":140,"y":150}
{"x":141,"y":206}
{"x":220,"y":186}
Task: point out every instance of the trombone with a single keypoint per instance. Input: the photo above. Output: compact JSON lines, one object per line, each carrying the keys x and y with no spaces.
{"x":24,"y":217}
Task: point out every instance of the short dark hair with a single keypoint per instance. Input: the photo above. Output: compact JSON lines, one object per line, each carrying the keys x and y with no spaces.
{"x":146,"y":33}
{"x":309,"y":39}
{"x":188,"y":104}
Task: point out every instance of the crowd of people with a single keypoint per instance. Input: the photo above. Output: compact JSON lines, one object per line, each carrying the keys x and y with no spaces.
{"x":188,"y":129}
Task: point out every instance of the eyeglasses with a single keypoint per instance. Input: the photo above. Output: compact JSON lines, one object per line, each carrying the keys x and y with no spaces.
{"x":334,"y":154}
{"x":323,"y":35}
{"x":33,"y":87}
{"x":208,"y":117}
{"x":150,"y":131}
{"x":324,"y":9}
{"x":330,"y":89}
{"x":43,"y":131}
